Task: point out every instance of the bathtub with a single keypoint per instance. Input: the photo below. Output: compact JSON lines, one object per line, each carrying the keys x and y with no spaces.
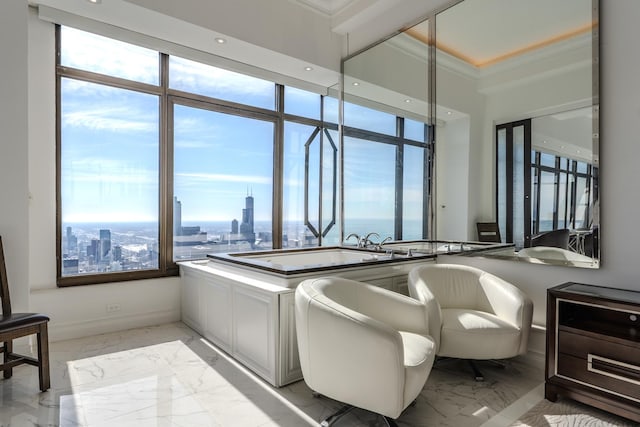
{"x":244,"y":302}
{"x":299,"y":262}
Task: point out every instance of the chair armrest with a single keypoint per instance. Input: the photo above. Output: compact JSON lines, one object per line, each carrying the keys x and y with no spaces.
{"x":507,"y":301}
{"x":419,"y":290}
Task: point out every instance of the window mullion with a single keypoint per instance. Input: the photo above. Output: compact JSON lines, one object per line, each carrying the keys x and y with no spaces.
{"x":166,"y":172}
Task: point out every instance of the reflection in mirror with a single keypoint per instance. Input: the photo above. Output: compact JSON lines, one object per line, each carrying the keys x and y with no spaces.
{"x":517,"y":126}
{"x":515,"y":121}
{"x":386,"y":150}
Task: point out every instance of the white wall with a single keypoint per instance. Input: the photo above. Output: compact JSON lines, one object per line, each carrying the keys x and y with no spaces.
{"x":452,"y":181}
{"x":14,"y":190}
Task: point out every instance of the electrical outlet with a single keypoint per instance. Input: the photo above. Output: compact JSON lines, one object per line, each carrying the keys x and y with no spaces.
{"x":112,"y":308}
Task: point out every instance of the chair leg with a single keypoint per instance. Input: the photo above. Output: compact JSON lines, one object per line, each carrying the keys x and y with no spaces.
{"x":8,"y":349}
{"x":389,"y":422}
{"x":476,"y":371}
{"x":333,"y":418}
{"x":43,"y":358}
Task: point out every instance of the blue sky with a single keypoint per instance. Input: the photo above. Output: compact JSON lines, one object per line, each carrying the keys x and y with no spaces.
{"x":110,"y":143}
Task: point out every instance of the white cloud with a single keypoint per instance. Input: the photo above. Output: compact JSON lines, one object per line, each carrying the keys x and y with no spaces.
{"x":88,"y":52}
{"x":117,"y":119}
{"x":105,"y":171}
{"x":212,"y":177}
{"x":186,"y":74}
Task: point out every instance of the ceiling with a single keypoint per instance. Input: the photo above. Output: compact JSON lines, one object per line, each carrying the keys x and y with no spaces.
{"x":531,"y":27}
{"x":329,"y":7}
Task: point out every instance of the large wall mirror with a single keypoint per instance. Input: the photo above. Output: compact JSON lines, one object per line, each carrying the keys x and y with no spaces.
{"x":510,"y":89}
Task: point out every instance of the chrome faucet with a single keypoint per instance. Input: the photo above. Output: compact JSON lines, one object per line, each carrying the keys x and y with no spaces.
{"x":366,"y":241}
{"x":360,"y":241}
{"x":385,"y":240}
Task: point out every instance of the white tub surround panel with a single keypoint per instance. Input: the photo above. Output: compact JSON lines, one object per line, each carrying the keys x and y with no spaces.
{"x":250,"y":313}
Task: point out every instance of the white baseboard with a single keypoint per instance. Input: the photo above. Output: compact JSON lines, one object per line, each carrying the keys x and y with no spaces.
{"x":538,"y":339}
{"x":88,"y":327}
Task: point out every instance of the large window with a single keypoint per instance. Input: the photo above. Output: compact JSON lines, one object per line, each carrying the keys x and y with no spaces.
{"x":109,"y":145}
{"x":163,"y":159}
{"x":385,"y":185}
{"x":563,"y":192}
{"x":223,"y":182}
{"x":538,"y":190}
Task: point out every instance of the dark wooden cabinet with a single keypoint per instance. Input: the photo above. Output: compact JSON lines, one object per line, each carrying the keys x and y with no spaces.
{"x":593,"y":347}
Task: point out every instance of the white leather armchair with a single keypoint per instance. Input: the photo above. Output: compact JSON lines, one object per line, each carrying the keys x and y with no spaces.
{"x":473,"y":314}
{"x":362,"y":345}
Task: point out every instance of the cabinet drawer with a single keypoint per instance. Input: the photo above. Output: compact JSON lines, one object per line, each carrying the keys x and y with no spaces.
{"x":601,"y":364}
{"x":581,"y":346}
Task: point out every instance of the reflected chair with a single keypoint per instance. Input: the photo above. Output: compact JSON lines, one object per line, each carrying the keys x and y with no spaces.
{"x":488,"y":232}
{"x":473,"y":314}
{"x":362,"y":345}
{"x":591,"y":243}
{"x":17,"y":325}
{"x":554,"y":238}
{"x":552,"y":255}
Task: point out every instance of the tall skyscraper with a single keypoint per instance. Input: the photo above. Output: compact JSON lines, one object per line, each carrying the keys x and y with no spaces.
{"x":105,"y":243}
{"x":246,"y":228}
{"x":71,"y":247}
{"x":234,"y":226}
{"x":247,"y":216}
{"x":117,"y":253}
{"x":93,"y":250}
{"x":177,"y":216}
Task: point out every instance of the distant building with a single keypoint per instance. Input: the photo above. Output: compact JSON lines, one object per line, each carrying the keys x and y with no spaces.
{"x":244,"y":231}
{"x":190,"y":236}
{"x":93,"y":250}
{"x":265,"y":236}
{"x":246,"y":227}
{"x":185,"y":236}
{"x":177,"y":217}
{"x":71,"y":242}
{"x":70,"y":266}
{"x":117,"y":253}
{"x":105,"y":244}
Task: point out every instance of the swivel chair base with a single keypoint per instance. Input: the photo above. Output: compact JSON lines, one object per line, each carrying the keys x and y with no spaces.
{"x":335,"y":417}
{"x":477,"y":374}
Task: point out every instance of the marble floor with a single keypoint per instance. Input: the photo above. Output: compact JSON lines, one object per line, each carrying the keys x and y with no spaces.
{"x":169,"y":375}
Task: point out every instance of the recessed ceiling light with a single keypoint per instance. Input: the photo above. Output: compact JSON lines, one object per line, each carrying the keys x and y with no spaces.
{"x":95,"y":1}
{"x":308,"y":68}
{"x":356,"y":84}
{"x":407,"y":100}
{"x":220,"y":40}
{"x":449,"y":113}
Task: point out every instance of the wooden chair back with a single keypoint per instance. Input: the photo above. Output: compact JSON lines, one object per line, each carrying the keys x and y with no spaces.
{"x":488,"y":232}
{"x":4,"y":284}
{"x":18,"y":325}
